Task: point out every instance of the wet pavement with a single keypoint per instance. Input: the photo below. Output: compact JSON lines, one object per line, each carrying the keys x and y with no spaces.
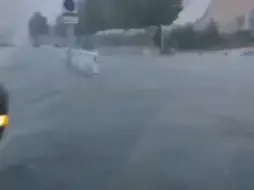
{"x":145,"y":122}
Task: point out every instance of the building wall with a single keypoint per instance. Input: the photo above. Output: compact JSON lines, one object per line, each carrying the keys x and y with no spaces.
{"x":250,"y":20}
{"x":228,"y":13}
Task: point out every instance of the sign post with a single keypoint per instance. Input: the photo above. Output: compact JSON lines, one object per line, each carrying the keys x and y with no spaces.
{"x":70,"y":18}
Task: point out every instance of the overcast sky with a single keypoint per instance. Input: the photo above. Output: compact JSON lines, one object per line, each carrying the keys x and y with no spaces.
{"x":15,"y":14}
{"x":194,"y":9}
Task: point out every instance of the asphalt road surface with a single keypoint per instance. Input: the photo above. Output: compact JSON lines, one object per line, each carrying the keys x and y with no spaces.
{"x":145,"y":122}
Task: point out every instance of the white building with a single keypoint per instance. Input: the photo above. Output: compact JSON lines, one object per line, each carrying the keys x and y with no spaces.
{"x":249,"y":20}
{"x":230,"y":15}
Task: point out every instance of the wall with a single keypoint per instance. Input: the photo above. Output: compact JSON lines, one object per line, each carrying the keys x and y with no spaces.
{"x":226,"y":12}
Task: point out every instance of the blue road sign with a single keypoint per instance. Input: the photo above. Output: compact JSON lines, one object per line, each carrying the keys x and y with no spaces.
{"x":69,"y":5}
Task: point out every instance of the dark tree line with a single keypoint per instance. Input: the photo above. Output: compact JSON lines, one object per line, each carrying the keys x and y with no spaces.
{"x":95,"y":15}
{"x":60,"y":28}
{"x":38,"y":25}
{"x":186,"y":37}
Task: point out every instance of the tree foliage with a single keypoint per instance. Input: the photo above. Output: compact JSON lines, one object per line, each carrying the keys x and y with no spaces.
{"x":38,"y":25}
{"x":60,"y":27}
{"x":107,"y":14}
{"x":186,"y":37}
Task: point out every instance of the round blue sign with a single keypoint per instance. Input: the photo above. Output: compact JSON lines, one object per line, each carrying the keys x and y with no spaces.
{"x":69,"y":5}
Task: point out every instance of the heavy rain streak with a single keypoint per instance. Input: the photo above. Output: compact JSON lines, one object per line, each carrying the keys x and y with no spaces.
{"x":126,"y":95}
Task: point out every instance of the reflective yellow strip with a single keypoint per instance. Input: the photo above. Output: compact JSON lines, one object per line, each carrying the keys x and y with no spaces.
{"x":4,"y":120}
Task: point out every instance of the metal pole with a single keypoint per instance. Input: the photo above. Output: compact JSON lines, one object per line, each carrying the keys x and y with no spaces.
{"x":70,"y":41}
{"x":162,"y":39}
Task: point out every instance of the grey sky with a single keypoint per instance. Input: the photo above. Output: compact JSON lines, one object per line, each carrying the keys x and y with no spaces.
{"x":15,"y":14}
{"x":194,"y":9}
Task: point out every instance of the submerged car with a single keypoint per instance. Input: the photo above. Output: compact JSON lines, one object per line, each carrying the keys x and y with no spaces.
{"x":4,"y":109}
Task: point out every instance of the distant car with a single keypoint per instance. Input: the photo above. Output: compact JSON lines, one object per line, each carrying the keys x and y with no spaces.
{"x":248,"y":53}
{"x":57,"y":45}
{"x":6,"y":44}
{"x":34,"y":41}
{"x":36,"y":45}
{"x":4,"y":109}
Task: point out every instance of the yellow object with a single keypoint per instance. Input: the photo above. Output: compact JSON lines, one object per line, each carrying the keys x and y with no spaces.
{"x":4,"y":120}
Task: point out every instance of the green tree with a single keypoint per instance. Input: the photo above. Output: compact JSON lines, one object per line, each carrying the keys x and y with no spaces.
{"x":183,"y":37}
{"x":60,"y":27}
{"x":107,"y":14}
{"x":38,"y":25}
{"x":91,"y":18}
{"x":210,"y":36}
{"x":186,"y":37}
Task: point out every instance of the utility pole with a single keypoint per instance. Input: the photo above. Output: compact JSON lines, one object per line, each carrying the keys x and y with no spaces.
{"x":70,"y":17}
{"x":70,"y":43}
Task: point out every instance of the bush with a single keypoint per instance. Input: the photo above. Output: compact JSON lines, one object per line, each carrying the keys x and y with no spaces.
{"x":183,"y":37}
{"x":96,"y":15}
{"x":60,"y":27}
{"x":186,"y":37}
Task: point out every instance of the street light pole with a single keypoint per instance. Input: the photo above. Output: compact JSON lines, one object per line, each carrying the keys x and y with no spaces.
{"x":70,"y":41}
{"x":70,"y":19}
